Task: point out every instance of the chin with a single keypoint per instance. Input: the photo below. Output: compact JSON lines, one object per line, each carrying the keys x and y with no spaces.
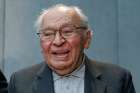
{"x":61,"y":65}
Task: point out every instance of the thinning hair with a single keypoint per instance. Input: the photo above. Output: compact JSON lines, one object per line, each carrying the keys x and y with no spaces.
{"x":39,"y":20}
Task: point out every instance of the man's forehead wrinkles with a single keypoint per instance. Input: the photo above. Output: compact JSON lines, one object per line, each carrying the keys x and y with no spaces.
{"x":56,"y":26}
{"x":51,"y":27}
{"x":61,"y":21}
{"x":56,"y":23}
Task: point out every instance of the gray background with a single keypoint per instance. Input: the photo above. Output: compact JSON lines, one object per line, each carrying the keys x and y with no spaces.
{"x":116,"y":33}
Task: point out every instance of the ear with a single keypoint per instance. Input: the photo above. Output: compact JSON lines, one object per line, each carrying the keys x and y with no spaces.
{"x":88,"y":39}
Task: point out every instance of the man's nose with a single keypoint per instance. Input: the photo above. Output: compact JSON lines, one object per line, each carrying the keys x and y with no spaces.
{"x":58,"y":40}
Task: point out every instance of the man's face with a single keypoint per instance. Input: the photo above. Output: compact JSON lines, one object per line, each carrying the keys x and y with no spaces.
{"x":62,"y":54}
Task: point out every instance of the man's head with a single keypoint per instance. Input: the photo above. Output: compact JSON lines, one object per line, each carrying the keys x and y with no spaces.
{"x":64,"y":34}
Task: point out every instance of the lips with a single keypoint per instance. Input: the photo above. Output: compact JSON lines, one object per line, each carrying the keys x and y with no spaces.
{"x":60,"y":54}
{"x":57,"y":52}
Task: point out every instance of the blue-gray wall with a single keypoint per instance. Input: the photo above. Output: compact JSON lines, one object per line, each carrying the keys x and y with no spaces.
{"x":115,"y":23}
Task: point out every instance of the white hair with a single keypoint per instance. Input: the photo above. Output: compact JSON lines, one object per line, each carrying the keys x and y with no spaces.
{"x":39,"y":20}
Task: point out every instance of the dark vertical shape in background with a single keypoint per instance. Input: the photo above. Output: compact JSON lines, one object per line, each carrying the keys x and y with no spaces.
{"x":2,"y":33}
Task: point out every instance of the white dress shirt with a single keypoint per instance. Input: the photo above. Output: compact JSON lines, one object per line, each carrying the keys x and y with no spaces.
{"x":71,"y":83}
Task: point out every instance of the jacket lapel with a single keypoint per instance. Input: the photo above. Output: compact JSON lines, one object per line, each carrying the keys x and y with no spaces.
{"x":93,"y":78}
{"x":43,"y":82}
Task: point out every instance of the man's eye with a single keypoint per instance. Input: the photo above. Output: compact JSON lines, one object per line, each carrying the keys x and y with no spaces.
{"x":48,"y":34}
{"x":67,"y":32}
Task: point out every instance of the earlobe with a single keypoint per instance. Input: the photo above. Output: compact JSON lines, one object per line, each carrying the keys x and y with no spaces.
{"x":86,"y":46}
{"x":88,"y":39}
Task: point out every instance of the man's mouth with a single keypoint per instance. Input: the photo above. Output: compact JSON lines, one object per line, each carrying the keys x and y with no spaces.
{"x":60,"y":54}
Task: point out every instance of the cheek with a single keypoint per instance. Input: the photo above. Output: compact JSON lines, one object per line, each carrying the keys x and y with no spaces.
{"x":45,"y":46}
{"x":76,"y":44}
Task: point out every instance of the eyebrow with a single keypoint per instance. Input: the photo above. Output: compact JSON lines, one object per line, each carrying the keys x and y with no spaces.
{"x":48,"y":28}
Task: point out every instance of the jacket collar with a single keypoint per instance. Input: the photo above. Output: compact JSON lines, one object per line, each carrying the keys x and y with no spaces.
{"x":43,"y":82}
{"x":94,"y":82}
{"x":92,"y":68}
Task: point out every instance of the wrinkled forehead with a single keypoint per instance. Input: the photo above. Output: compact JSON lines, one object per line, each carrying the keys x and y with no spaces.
{"x":59,"y":17}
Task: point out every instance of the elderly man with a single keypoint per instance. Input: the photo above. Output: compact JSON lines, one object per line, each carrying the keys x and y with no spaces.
{"x":3,"y":83}
{"x":64,"y":34}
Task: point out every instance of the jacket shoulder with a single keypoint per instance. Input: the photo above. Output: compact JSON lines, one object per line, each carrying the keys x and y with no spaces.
{"x":30,"y":70}
{"x":110,"y":69}
{"x":26,"y":75}
{"x":115,"y":76}
{"x":111,"y":73}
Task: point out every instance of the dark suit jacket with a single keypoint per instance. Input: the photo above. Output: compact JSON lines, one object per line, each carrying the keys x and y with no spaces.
{"x":3,"y":83}
{"x":99,"y":78}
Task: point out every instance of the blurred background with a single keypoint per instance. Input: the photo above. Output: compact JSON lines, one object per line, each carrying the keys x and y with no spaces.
{"x":115,"y":23}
